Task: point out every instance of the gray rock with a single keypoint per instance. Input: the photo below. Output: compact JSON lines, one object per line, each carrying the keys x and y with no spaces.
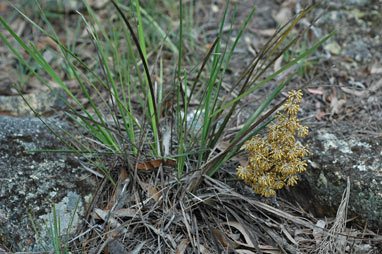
{"x":333,"y":159}
{"x":362,"y":18}
{"x":358,"y":50}
{"x":31,"y":182}
{"x":44,"y":103}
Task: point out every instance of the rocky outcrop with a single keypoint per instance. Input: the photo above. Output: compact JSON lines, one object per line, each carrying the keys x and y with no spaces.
{"x":333,"y":158}
{"x":44,"y":103}
{"x":31,"y":182}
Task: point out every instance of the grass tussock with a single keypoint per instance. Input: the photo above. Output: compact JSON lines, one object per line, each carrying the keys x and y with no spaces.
{"x":159,"y":138}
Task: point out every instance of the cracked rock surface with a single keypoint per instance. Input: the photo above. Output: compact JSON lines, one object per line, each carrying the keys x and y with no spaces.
{"x":334,"y":158}
{"x":31,"y":182}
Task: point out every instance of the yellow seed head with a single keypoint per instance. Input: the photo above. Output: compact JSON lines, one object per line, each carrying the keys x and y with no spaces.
{"x":275,"y":160}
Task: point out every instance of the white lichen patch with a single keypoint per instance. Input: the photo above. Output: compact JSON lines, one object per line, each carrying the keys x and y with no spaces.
{"x":323,"y":180}
{"x":331,"y":141}
{"x":360,"y":144}
{"x":360,"y":167}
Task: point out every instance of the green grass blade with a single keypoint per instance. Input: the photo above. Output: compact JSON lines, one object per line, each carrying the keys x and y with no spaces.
{"x":262,"y":107}
{"x":275,"y":74}
{"x":218,"y":134}
{"x":154,"y":117}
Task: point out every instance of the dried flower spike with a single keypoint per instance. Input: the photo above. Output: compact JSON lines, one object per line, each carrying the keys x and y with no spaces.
{"x":275,"y":160}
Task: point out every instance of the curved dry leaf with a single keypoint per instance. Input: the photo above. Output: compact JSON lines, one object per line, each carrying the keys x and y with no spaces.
{"x":204,"y":250}
{"x":116,"y":192}
{"x":242,"y":230}
{"x":154,"y":164}
{"x":270,"y":249}
{"x":277,"y":65}
{"x":138,"y":248}
{"x":376,"y":86}
{"x":376,"y":68}
{"x":181,"y":248}
{"x":112,"y":222}
{"x":336,"y":105}
{"x":286,"y":233}
{"x":240,"y":251}
{"x":357,"y":93}
{"x":283,"y":15}
{"x":162,"y":234}
{"x":263,"y":32}
{"x":224,"y":240}
{"x":125,"y":212}
{"x":249,"y":244}
{"x":45,"y":42}
{"x":315,"y":91}
{"x":152,"y":192}
{"x":98,"y":4}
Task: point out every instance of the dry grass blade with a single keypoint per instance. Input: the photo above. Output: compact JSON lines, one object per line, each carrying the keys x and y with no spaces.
{"x":284,"y":246}
{"x":112,"y":222}
{"x":196,"y":239}
{"x":288,"y":235}
{"x":213,"y":236}
{"x":243,"y":231}
{"x":182,"y":246}
{"x":152,"y":191}
{"x":138,"y":249}
{"x":335,"y":241}
{"x":224,"y":240}
{"x":263,"y":206}
{"x":214,"y":219}
{"x":186,"y":219}
{"x":250,"y":236}
{"x":163,"y":235}
{"x":119,"y":189}
{"x":280,"y":213}
{"x":125,"y":212}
